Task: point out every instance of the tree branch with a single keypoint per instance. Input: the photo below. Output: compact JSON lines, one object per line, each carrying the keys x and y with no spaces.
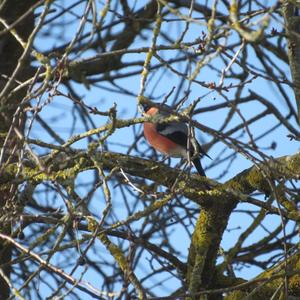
{"x":292,"y":27}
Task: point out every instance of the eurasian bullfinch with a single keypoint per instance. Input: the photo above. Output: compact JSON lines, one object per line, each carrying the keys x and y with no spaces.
{"x":171,"y":138}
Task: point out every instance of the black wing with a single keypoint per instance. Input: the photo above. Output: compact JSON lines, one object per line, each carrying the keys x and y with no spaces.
{"x":180,"y":137}
{"x":177,"y":137}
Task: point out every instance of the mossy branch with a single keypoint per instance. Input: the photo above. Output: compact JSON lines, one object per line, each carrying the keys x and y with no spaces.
{"x":118,"y":255}
{"x":292,"y":27}
{"x":246,"y":33}
{"x":63,"y":166}
{"x":269,"y":281}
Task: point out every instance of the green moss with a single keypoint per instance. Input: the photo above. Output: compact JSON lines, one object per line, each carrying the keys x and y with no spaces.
{"x":201,"y":241}
{"x":236,"y":295}
{"x":105,"y":9}
{"x":9,"y":173}
{"x":293,"y":163}
{"x":234,"y":185}
{"x":266,"y":290}
{"x":294,"y":215}
{"x":116,"y":252}
{"x":254,"y":178}
{"x":234,"y":8}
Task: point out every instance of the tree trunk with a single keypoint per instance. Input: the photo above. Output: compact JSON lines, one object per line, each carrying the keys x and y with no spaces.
{"x":10,"y":52}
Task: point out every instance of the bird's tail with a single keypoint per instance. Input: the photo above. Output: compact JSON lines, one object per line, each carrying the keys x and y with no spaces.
{"x":198,"y":166}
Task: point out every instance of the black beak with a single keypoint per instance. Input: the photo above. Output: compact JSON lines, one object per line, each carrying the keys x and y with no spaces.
{"x":146,"y":107}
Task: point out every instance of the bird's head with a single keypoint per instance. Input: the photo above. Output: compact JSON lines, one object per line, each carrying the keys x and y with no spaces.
{"x":162,"y":110}
{"x":150,"y":110}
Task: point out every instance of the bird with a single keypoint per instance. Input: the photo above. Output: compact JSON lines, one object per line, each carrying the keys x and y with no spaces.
{"x":171,"y":138}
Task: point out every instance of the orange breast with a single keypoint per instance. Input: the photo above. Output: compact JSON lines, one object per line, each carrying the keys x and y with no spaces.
{"x":159,"y":142}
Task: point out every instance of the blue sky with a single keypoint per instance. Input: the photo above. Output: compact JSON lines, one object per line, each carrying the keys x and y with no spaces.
{"x":64,"y":119}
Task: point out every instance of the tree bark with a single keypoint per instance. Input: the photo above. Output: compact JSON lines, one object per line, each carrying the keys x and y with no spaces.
{"x":10,"y":52}
{"x":292,"y":27}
